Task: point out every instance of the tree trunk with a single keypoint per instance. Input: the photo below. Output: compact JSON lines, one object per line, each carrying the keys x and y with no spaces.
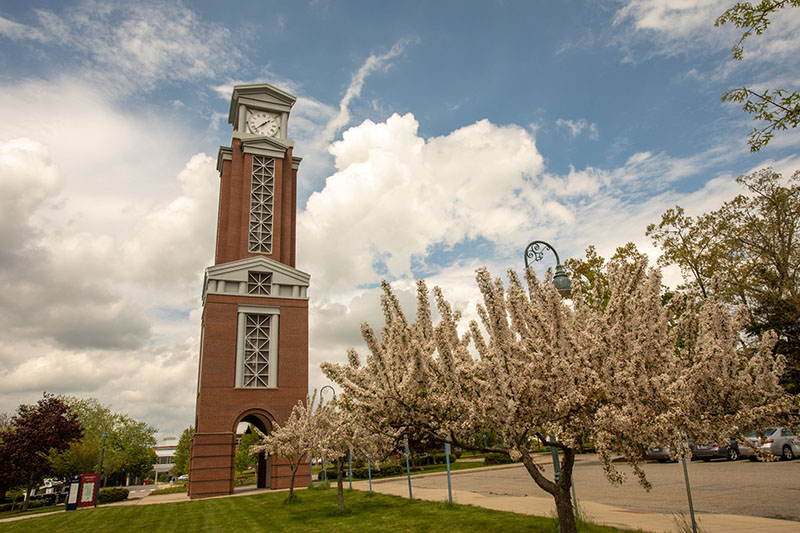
{"x":340,"y":482}
{"x":560,"y":491}
{"x":27,"y":500}
{"x":566,"y":513}
{"x":291,"y":481}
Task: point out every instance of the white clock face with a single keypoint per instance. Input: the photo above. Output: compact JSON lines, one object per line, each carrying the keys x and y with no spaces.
{"x":263,"y":124}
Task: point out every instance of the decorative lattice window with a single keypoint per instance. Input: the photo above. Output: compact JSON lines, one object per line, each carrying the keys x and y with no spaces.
{"x":259,"y":283}
{"x":256,"y":351}
{"x":262,"y":186}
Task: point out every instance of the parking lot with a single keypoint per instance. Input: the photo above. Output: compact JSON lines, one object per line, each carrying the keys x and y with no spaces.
{"x":770,"y":490}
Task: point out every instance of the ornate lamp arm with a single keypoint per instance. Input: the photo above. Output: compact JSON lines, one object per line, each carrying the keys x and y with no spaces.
{"x":535,"y":252}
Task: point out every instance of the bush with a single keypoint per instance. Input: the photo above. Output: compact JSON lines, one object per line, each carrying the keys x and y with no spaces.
{"x":170,"y":490}
{"x":114,"y":494}
{"x":497,"y":459}
{"x":33,"y":504}
{"x":386,"y":470}
{"x":442,"y":458}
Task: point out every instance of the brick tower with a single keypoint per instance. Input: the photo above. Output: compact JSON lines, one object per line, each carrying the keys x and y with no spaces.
{"x":254,"y":337}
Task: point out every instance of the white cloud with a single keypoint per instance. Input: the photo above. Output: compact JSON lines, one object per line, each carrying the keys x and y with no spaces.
{"x":100,"y":309}
{"x":116,"y":165}
{"x":575,"y":127}
{"x":15,"y":30}
{"x":678,"y":27}
{"x":134,"y":45}
{"x":678,"y":18}
{"x":395,"y":194}
{"x":170,"y":244}
{"x":372,"y":64}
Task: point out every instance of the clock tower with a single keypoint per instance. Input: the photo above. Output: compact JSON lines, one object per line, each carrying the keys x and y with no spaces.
{"x":254,"y":333}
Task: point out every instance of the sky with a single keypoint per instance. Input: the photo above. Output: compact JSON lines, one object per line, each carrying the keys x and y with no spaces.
{"x":436,"y":137}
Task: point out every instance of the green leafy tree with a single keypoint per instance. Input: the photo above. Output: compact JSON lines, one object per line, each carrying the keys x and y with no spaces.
{"x":589,"y":273}
{"x":244,"y":459}
{"x":31,"y":436}
{"x":128,"y":448}
{"x":182,"y":453}
{"x":779,"y":108}
{"x":747,"y":253}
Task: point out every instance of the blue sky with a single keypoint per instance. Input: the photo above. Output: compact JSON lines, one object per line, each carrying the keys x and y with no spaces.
{"x":437,"y":137}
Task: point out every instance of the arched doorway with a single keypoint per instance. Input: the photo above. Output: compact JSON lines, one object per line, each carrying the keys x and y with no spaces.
{"x":264,"y":463}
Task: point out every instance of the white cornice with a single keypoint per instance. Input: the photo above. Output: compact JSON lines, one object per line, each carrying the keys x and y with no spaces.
{"x":268,"y":146}
{"x":225,"y":154}
{"x":260,"y":96}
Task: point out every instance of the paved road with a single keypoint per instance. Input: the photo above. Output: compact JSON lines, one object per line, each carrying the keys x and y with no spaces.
{"x":140,"y":491}
{"x":770,"y":490}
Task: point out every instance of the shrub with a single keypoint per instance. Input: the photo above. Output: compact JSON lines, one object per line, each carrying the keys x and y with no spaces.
{"x":17,"y":506}
{"x":442,"y":458}
{"x":170,"y":490}
{"x":114,"y":494}
{"x":362,"y":473}
{"x":497,"y":459}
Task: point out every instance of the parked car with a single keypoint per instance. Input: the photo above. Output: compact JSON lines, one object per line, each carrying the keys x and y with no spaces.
{"x":731,"y":451}
{"x":662,"y":454}
{"x":48,"y":499}
{"x":63,"y":495}
{"x":777,"y":441}
{"x":183,"y":477}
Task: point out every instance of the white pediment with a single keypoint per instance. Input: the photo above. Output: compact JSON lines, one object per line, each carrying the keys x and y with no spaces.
{"x":232,"y":278}
{"x":259,"y":96}
{"x":260,"y":145}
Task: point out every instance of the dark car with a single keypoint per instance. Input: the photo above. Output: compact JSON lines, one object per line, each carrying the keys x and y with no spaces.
{"x":731,"y":450}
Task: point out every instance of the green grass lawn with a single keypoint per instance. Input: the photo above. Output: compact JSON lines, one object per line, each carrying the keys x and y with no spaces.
{"x":316,"y":511}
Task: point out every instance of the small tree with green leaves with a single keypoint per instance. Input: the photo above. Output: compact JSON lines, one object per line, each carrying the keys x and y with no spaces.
{"x":182,"y":453}
{"x":244,"y":454}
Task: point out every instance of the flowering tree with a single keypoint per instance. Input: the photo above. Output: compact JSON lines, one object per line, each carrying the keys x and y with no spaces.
{"x":627,"y":374}
{"x":335,"y":438}
{"x":294,"y":440}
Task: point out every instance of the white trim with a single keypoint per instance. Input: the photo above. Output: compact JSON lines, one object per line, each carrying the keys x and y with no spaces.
{"x":259,"y":310}
{"x":273,"y":352}
{"x":240,"y":319}
{"x":225,"y":154}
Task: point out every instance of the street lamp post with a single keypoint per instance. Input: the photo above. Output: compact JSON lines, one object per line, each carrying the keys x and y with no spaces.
{"x":103,"y":437}
{"x":535,"y":252}
{"x":324,"y":470}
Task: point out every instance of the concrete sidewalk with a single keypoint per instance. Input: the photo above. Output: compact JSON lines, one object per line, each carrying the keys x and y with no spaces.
{"x":593,"y":512}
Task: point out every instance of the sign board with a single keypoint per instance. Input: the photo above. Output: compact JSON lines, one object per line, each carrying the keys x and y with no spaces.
{"x":74,"y":490}
{"x":88,"y":490}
